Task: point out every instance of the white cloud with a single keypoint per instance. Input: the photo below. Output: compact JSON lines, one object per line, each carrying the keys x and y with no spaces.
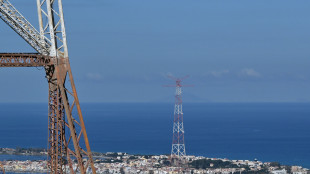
{"x":218,"y":73}
{"x":94,"y":76}
{"x":168,"y":75}
{"x":146,"y":78}
{"x":249,"y":72}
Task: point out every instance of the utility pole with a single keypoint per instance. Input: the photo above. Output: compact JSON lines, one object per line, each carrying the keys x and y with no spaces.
{"x":64,"y":111}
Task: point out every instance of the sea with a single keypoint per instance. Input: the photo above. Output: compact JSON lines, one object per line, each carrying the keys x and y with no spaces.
{"x":246,"y":131}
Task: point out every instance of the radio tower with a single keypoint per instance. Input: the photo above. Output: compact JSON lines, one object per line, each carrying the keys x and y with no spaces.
{"x":67,"y":138}
{"x":178,"y":143}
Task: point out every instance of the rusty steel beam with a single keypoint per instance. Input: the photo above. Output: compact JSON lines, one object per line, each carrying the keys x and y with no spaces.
{"x":57,"y":150}
{"x":2,"y":168}
{"x":25,"y":60}
{"x":75,"y":122}
{"x":68,"y":144}
{"x":60,"y":113}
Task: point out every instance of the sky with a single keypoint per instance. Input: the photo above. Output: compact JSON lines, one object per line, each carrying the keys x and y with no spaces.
{"x":123,"y":51}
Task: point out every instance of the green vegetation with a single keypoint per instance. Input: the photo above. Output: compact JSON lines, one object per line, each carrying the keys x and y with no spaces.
{"x":253,"y":172}
{"x":133,"y":157}
{"x":208,"y":163}
{"x":147,"y":156}
{"x":111,"y":161}
{"x":288,"y":169}
{"x":122,"y":170}
{"x":166,"y":162}
{"x":275,"y":164}
{"x":112,"y":154}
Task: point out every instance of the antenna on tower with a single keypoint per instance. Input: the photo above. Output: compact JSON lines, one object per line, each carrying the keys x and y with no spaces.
{"x":178,"y":142}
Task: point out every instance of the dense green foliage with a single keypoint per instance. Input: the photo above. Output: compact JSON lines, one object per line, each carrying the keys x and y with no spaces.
{"x":275,"y":164}
{"x":122,"y":171}
{"x":208,"y":163}
{"x":253,"y":172}
{"x":288,"y":169}
{"x":133,"y":157}
{"x":112,"y":154}
{"x":147,"y":156}
{"x":166,"y":163}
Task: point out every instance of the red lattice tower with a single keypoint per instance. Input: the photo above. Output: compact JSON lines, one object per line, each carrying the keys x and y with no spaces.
{"x":178,"y":142}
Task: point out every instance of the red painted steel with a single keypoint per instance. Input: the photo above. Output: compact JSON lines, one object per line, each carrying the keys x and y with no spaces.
{"x":2,"y":168}
{"x":178,"y":143}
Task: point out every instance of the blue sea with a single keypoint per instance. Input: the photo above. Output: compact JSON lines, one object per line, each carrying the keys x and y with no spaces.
{"x":266,"y":131}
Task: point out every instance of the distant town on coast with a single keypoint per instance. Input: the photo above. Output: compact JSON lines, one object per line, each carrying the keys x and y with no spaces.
{"x":123,"y":163}
{"x":87,"y":80}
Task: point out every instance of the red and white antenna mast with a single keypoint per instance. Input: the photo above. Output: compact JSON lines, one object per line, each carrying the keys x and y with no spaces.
{"x":178,"y":143}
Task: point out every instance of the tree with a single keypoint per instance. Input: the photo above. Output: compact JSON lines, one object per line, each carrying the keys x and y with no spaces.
{"x":122,"y":171}
{"x":208,"y":163}
{"x":275,"y":164}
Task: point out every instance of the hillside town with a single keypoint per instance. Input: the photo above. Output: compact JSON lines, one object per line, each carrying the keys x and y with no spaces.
{"x":123,"y":163}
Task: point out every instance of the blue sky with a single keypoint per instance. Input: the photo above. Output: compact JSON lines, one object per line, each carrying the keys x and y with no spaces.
{"x":122,"y":51}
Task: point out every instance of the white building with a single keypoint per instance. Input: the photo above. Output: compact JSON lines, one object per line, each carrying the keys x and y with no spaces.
{"x":301,"y":172}
{"x":283,"y":171}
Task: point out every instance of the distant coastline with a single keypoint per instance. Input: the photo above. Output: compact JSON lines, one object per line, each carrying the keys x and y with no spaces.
{"x":267,"y":131}
{"x":115,"y":162}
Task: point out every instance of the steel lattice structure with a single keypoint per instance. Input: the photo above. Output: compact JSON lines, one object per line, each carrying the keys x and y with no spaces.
{"x":178,"y":143}
{"x":67,"y":137}
{"x":2,"y":168}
